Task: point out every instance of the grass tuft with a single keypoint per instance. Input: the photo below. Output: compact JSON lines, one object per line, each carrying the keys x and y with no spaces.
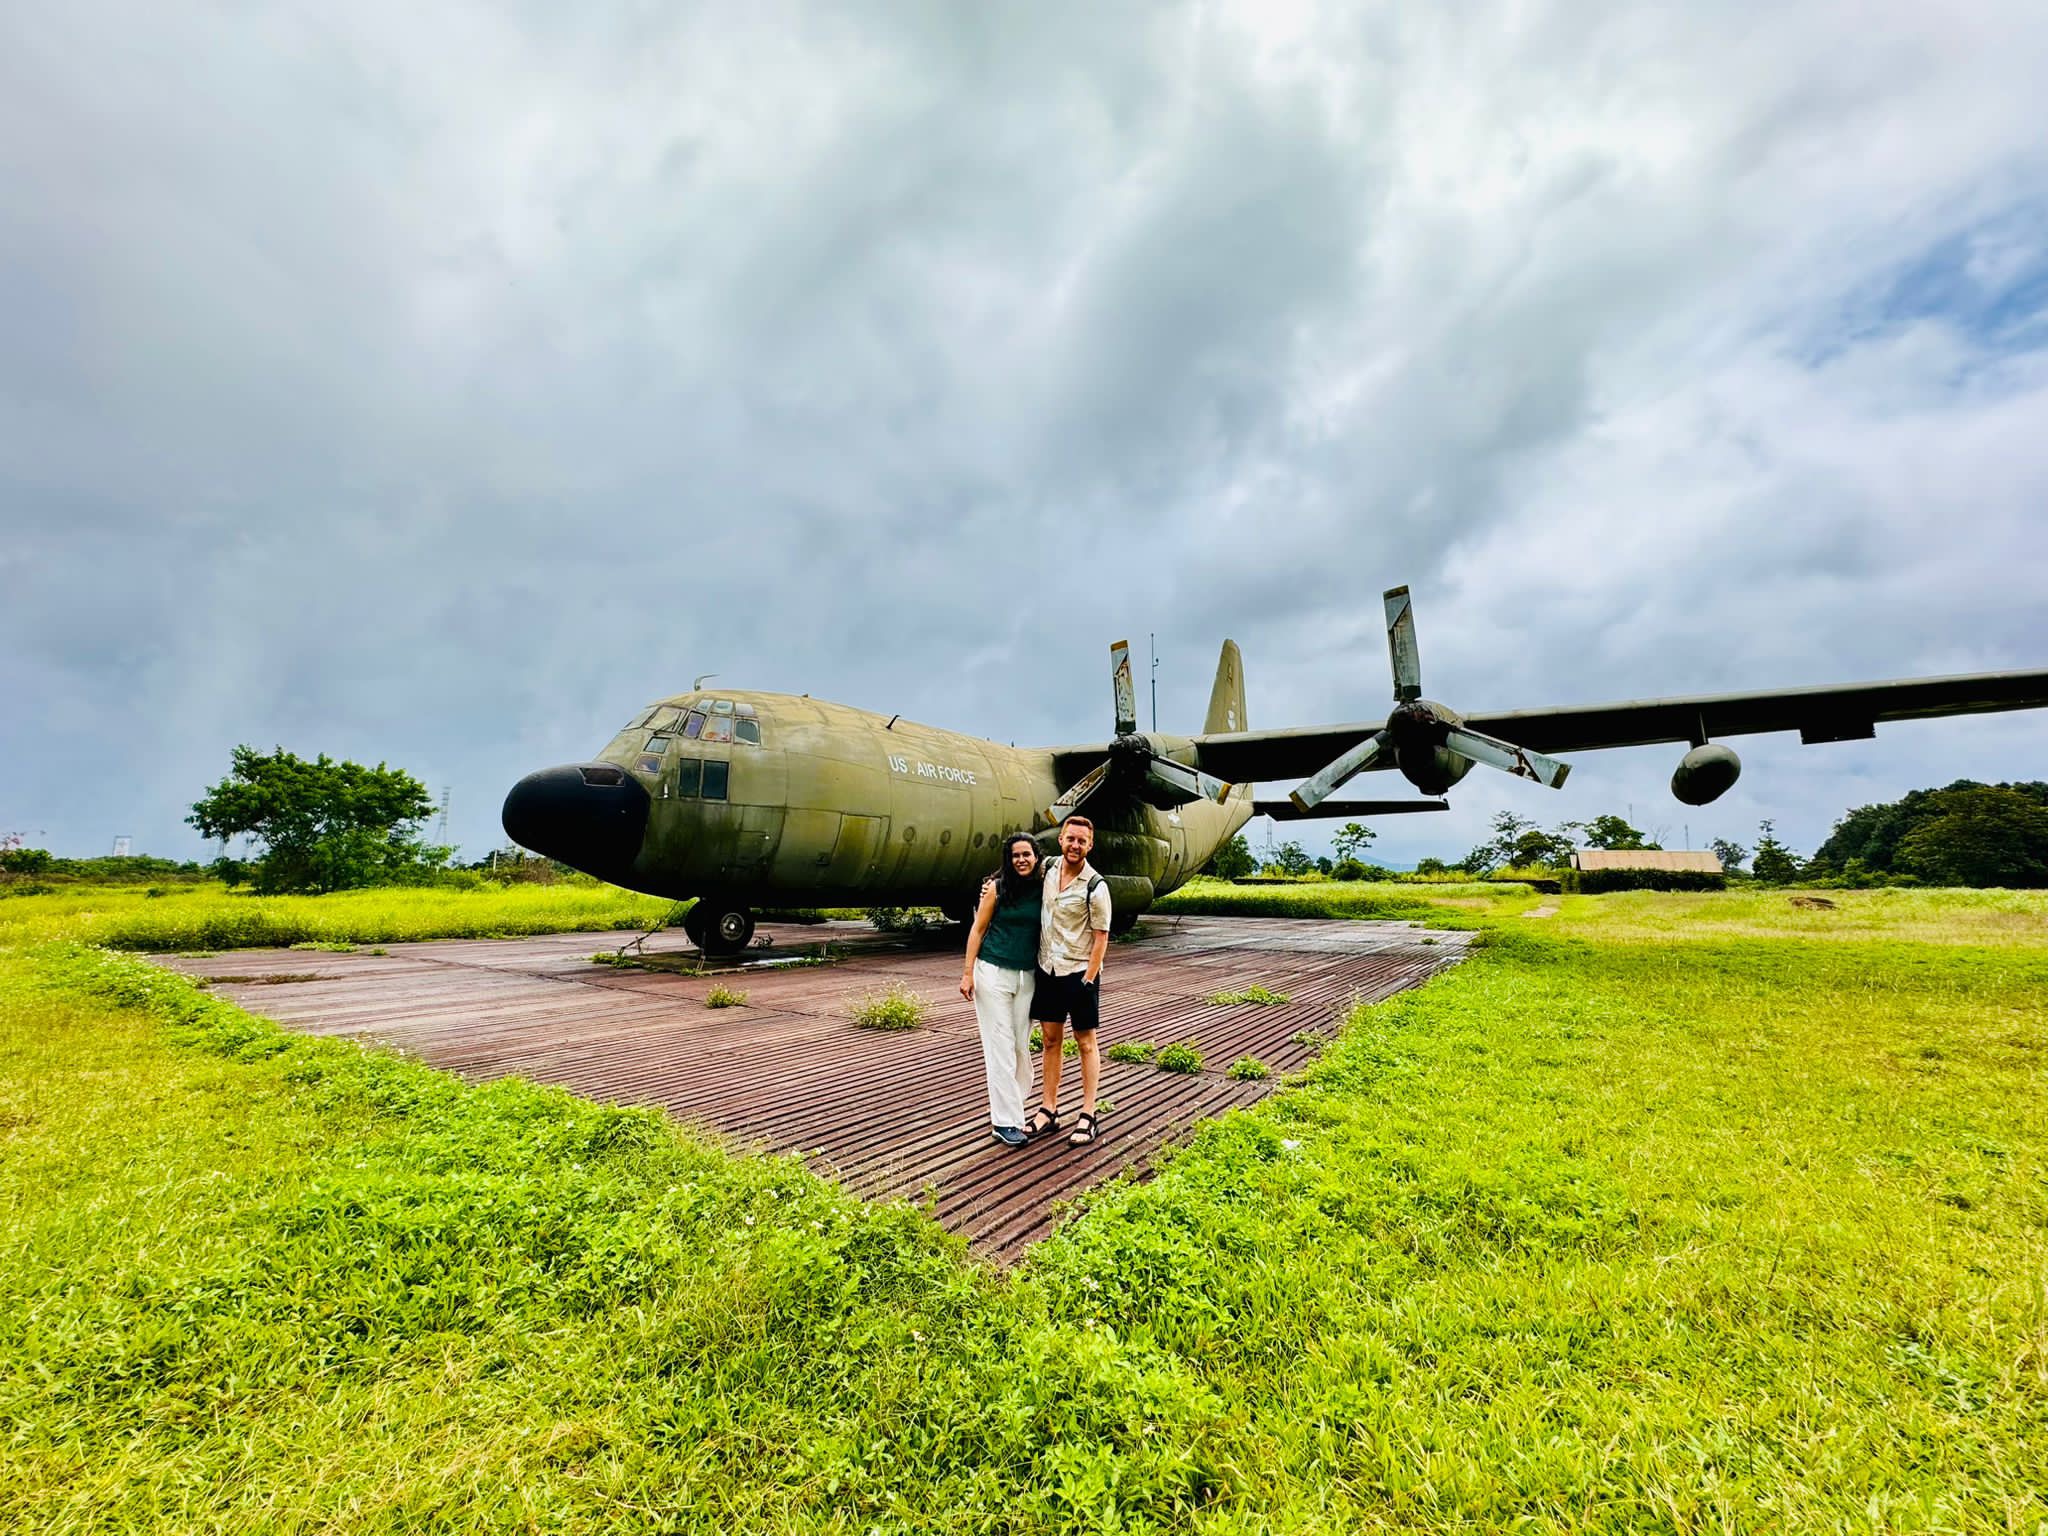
{"x":1264,"y":996}
{"x":1248,"y":1069}
{"x":894,"y":1007}
{"x":1181,"y":1056}
{"x":722,"y":996}
{"x":1140,"y":1051}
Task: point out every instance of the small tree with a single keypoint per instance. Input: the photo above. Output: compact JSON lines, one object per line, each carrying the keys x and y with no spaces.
{"x":1730,"y":854}
{"x":1613,"y":832}
{"x":1774,"y":863}
{"x":1352,"y":840}
{"x":1233,"y":861}
{"x":324,"y":825}
{"x":1292,"y":859}
{"x":1522,"y":844}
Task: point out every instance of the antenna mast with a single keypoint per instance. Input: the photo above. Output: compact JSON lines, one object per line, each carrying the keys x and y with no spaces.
{"x":1153,"y":640}
{"x":441,"y":836}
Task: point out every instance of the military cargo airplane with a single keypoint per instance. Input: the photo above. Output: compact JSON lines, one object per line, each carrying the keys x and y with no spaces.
{"x":748,"y":800}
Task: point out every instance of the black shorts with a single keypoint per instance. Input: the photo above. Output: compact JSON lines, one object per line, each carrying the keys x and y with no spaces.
{"x":1060,"y":999}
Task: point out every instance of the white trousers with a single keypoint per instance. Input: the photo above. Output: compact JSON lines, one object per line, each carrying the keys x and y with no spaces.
{"x":1002,"y":1006}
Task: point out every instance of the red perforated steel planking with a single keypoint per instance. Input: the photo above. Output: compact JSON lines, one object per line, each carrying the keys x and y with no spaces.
{"x":892,"y":1114}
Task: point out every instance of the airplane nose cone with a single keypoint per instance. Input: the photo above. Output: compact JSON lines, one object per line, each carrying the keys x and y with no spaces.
{"x":591,"y":815}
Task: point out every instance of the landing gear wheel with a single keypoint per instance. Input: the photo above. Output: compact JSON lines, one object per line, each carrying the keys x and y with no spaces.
{"x":693,"y":923}
{"x":1121,"y":923}
{"x":727,"y":931}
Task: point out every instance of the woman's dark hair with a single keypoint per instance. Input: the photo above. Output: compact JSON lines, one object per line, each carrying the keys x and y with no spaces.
{"x":1010,"y":884}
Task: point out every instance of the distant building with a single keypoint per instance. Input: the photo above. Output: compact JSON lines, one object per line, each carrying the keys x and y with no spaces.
{"x":1679,"y":860}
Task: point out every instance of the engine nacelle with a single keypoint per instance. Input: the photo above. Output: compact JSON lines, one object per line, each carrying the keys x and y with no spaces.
{"x":1705,"y":774}
{"x":1419,"y":751}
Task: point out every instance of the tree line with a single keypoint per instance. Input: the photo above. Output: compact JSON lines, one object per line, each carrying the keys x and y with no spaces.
{"x":324,"y":825}
{"x":1967,"y":834}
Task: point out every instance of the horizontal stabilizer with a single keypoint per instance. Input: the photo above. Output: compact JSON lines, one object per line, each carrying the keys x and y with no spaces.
{"x":1354,"y":810}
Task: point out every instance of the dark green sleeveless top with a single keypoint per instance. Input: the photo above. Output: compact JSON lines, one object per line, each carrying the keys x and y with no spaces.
{"x":1012,"y":937}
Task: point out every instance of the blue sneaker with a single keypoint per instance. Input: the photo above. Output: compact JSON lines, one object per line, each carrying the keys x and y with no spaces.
{"x":1008,"y":1135}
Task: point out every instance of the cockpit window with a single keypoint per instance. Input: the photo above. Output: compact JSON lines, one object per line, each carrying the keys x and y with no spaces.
{"x":689,"y":774}
{"x":650,"y":765}
{"x":715,"y":775}
{"x":658,"y":743}
{"x":747,"y":730}
{"x":743,"y":708}
{"x":717,"y":728}
{"x":693,"y":724}
{"x":664,"y":719}
{"x":721,"y":706}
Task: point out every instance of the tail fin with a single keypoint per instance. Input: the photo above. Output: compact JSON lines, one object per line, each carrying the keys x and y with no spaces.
{"x":1226,"y":699}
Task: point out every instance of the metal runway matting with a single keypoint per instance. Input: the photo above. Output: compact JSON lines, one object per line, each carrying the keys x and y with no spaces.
{"x":890,"y":1114}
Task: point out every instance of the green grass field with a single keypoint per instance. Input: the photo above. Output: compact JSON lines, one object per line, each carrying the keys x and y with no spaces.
{"x":1660,"y":1212}
{"x":206,"y":915}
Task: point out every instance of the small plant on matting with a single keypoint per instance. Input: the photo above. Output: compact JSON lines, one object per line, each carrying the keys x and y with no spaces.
{"x":894,"y":1007}
{"x":1265,"y":997}
{"x":1181,"y":1056}
{"x":725,"y":997}
{"x":1140,"y":1051}
{"x":1248,"y":1069}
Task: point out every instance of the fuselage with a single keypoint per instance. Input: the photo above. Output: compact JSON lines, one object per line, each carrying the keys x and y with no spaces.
{"x":771,"y":799}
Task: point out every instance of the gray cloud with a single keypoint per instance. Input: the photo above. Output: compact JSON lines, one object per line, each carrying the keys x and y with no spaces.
{"x":438,"y":386}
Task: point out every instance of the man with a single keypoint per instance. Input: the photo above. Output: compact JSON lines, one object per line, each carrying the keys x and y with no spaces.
{"x":1073,"y":937}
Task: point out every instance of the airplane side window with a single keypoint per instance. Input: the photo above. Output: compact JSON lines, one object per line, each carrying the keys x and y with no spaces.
{"x":717,"y":728}
{"x":657,"y":743}
{"x":689,"y":774}
{"x":715,"y":775}
{"x":747,"y":730}
{"x":650,"y":765}
{"x":694,"y":724}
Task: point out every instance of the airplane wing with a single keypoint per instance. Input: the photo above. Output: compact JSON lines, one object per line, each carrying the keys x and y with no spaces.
{"x":1834,"y":713}
{"x":1354,"y":810}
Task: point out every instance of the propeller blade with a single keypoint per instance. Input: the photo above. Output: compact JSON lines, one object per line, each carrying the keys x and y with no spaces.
{"x":1079,"y":791}
{"x":1507,"y":757}
{"x":1184,"y":782}
{"x":1126,"y":694}
{"x":1401,"y":647}
{"x":1310,"y":793}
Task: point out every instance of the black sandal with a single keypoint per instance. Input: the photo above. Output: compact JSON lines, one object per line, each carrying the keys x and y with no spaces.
{"x":1052,"y":1122}
{"x":1086,"y":1129}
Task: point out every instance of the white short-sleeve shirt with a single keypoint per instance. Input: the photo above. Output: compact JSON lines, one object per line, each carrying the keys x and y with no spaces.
{"x":1069,"y":920}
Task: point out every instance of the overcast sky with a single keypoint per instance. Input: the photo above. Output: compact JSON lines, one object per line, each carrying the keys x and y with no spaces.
{"x":439,"y":384}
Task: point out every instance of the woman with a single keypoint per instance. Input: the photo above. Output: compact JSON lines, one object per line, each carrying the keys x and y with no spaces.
{"x":1002,"y":957}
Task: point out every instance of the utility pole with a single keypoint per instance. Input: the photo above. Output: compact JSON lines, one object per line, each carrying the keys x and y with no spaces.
{"x":1154,"y":640}
{"x":441,"y":836}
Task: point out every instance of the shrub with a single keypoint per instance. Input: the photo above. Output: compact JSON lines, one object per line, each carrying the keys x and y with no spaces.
{"x":1181,"y":1056}
{"x":1593,"y":882}
{"x":1264,"y":996}
{"x":1248,"y":1069}
{"x":895,"y":1007}
{"x":1133,"y":1050}
{"x":721,"y":996}
{"x":904,"y":919}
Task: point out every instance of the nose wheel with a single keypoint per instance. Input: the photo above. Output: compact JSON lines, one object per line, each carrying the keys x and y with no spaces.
{"x":719,"y":928}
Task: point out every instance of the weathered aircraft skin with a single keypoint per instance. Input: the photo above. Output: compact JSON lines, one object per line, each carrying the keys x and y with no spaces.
{"x":836,"y":803}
